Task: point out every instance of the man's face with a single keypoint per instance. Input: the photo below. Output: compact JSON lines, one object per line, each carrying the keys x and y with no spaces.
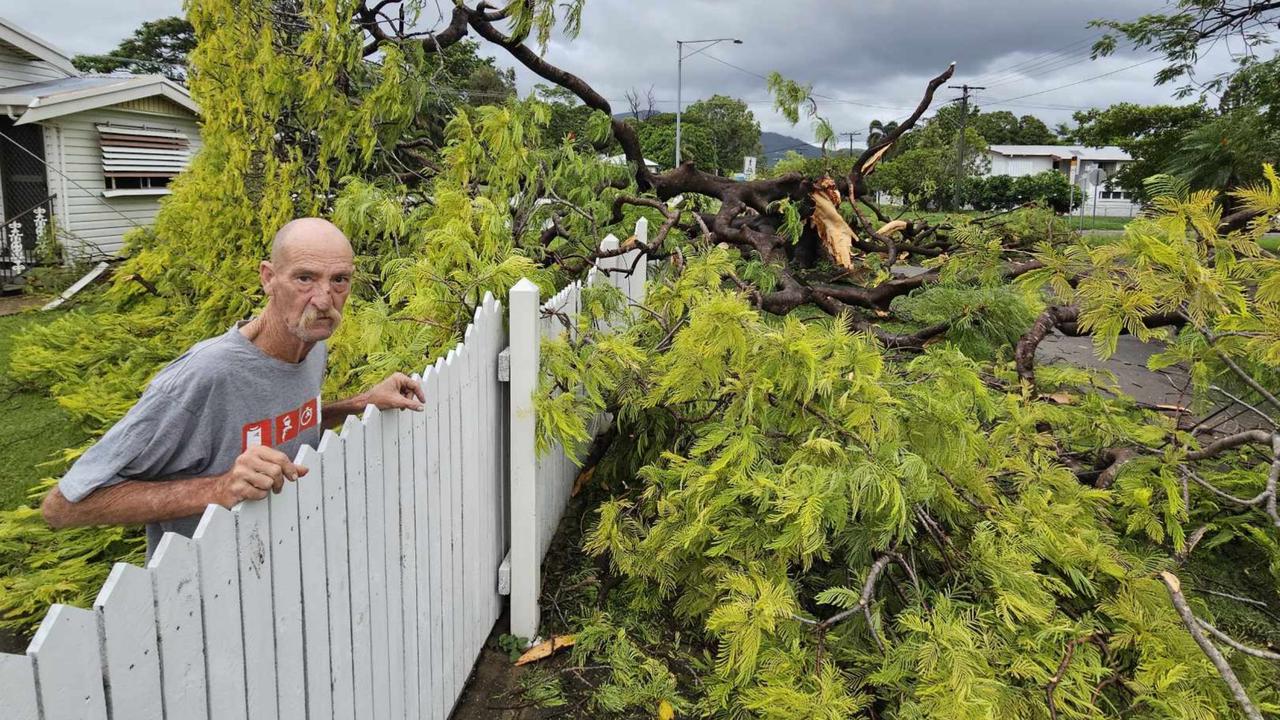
{"x":308,"y":285}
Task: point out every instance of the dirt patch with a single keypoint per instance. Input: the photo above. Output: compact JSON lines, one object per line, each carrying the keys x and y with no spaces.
{"x":493,"y":691}
{"x":14,"y":304}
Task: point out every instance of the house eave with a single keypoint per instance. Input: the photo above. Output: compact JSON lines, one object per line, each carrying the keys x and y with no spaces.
{"x":36,"y":47}
{"x":55,"y":106}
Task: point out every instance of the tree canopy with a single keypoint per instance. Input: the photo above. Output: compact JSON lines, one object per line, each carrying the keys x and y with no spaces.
{"x":735,"y":133}
{"x":157,"y":47}
{"x":1151,"y":134}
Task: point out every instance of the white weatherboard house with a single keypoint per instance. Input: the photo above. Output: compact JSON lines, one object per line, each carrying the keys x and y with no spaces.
{"x":94,"y":153}
{"x":1072,"y":161}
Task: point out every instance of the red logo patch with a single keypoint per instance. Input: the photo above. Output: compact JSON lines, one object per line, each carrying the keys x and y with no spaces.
{"x":308,"y":415}
{"x":287,"y":426}
{"x":255,"y":433}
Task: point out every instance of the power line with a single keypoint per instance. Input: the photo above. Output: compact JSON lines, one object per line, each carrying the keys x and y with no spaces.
{"x":816,"y":95}
{"x":1078,"y":82}
{"x":1013,"y":73}
{"x":992,"y":75}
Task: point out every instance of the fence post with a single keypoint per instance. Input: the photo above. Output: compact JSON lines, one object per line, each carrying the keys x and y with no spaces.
{"x":641,"y":274}
{"x":526,"y":561}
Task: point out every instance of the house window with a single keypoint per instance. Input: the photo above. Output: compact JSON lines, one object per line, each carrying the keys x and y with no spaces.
{"x":141,"y":160}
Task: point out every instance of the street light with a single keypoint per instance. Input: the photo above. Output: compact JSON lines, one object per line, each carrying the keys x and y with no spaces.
{"x":680,"y":75}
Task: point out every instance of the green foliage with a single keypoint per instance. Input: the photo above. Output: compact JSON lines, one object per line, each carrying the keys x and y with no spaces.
{"x":158,"y":47}
{"x":1004,"y":128}
{"x":778,"y":459}
{"x":1226,"y":152}
{"x":1188,"y":28}
{"x":698,"y":142}
{"x":735,"y":132}
{"x":1150,"y":134}
{"x":40,"y":566}
{"x":636,"y":681}
{"x":1000,"y":192}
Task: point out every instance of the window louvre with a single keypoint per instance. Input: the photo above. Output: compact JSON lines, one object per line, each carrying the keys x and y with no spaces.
{"x":129,"y":152}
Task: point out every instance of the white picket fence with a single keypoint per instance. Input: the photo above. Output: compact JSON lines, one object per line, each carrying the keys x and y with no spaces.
{"x":365,"y":590}
{"x":540,"y":486}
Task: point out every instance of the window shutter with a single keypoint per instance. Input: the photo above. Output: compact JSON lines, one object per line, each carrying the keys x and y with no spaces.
{"x":129,"y":152}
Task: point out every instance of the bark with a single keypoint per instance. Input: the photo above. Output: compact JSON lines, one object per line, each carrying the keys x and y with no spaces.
{"x":1174,"y":587}
{"x":1024,"y":354}
{"x":856,"y":174}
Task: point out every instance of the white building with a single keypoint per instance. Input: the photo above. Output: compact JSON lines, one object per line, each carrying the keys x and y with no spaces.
{"x":94,"y":153}
{"x":621,"y":160}
{"x":1077,"y":163}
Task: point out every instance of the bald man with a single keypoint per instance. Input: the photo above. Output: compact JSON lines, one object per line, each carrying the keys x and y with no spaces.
{"x":220,"y":423}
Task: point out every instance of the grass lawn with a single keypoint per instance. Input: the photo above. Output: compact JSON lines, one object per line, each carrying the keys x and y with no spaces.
{"x":1090,"y":223}
{"x":34,"y":427}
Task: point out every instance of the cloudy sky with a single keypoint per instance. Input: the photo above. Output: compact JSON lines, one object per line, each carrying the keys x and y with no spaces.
{"x":866,"y":58}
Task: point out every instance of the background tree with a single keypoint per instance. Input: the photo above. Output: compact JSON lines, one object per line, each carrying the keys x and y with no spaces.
{"x":157,"y":47}
{"x":657,"y":136}
{"x":1181,"y":33}
{"x":1151,"y":134}
{"x":735,"y":132}
{"x":1004,"y":128}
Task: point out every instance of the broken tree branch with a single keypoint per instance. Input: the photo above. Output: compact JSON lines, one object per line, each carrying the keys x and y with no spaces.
{"x":1220,"y":663}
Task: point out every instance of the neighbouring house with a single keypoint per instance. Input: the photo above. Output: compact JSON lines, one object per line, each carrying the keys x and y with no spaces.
{"x":622,"y":160}
{"x":1077,"y":163}
{"x":89,"y":155}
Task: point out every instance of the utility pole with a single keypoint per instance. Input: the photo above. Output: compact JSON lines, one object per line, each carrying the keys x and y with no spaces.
{"x":964,"y":119}
{"x":850,"y":136}
{"x":680,"y":56}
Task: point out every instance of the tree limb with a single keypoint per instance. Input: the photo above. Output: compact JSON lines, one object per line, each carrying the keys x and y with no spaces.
{"x":1174,"y":587}
{"x":855,"y":174}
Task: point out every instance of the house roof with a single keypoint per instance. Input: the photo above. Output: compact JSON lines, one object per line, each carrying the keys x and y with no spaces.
{"x":55,"y":98}
{"x":1103,"y":154}
{"x":622,"y":160}
{"x":33,"y":47}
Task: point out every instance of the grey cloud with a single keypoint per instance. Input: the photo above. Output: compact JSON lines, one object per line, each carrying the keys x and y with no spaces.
{"x":872,"y":56}
{"x":85,"y":26}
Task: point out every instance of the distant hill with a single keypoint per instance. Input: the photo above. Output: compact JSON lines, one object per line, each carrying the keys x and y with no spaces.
{"x":776,"y":146}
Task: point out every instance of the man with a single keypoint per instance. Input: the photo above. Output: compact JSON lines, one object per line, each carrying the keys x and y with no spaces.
{"x":220,"y":424}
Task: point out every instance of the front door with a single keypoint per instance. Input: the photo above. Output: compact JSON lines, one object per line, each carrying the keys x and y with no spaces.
{"x":23,"y":187}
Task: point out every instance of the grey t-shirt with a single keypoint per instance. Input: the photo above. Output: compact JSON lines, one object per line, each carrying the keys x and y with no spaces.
{"x":199,"y":414}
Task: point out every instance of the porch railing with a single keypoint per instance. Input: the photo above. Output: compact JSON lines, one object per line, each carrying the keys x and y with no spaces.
{"x":22,"y":240}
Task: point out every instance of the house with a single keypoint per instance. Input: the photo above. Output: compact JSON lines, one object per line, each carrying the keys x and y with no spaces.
{"x":621,"y":160}
{"x":1077,"y":163}
{"x":94,"y":154}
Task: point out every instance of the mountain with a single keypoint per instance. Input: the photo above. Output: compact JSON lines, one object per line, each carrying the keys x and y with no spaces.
{"x":776,"y":146}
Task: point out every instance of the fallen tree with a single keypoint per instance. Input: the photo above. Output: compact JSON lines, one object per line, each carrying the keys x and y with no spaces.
{"x":838,"y":476}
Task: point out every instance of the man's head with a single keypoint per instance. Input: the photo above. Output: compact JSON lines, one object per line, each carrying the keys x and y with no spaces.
{"x":308,"y":277}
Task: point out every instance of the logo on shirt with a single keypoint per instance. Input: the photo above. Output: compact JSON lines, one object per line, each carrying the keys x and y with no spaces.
{"x":284,"y":427}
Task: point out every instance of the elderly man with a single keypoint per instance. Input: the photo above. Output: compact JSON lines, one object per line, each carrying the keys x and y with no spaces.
{"x":220,"y":423}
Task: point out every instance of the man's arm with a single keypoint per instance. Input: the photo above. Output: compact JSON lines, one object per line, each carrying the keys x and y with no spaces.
{"x":135,"y":501}
{"x":397,"y":391}
{"x":256,"y":472}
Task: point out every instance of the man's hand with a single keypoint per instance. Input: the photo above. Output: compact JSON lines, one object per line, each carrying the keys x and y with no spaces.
{"x":257,"y":471}
{"x":396,"y":392}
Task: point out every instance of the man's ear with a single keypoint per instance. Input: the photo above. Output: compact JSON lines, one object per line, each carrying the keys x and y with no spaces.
{"x":266,"y":273}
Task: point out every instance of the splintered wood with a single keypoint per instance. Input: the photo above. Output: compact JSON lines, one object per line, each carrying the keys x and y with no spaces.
{"x":837,"y":236}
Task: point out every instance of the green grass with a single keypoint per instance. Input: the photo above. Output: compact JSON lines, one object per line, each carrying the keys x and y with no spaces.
{"x":934,"y":218}
{"x":33,"y":426}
